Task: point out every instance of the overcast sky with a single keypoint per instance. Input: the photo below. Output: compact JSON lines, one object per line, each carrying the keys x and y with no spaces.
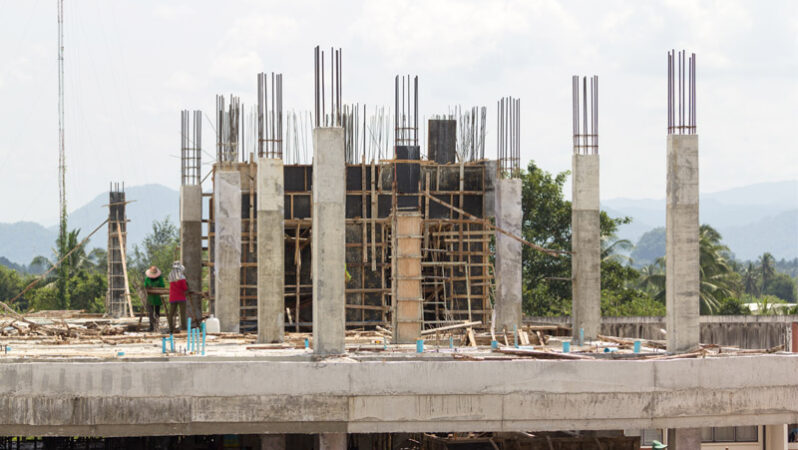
{"x":131,"y":66}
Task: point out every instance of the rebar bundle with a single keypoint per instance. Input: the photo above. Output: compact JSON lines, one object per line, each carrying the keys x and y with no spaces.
{"x":406,"y":107}
{"x":586,"y":132}
{"x":227,"y":129}
{"x":270,"y":116}
{"x":681,"y":93}
{"x":508,"y":140}
{"x":470,"y":132}
{"x":190,"y":148}
{"x":336,"y":71}
{"x":297,"y":137}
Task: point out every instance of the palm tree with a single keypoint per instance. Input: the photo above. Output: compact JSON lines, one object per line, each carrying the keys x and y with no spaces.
{"x":610,"y":247}
{"x":76,"y":261}
{"x":750,"y":278}
{"x":717,"y":278}
{"x":767,"y":268}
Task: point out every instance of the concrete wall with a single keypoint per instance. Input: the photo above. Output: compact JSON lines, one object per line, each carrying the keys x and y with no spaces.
{"x":509,"y":269}
{"x":258,"y":396}
{"x":741,"y":331}
{"x":328,"y":240}
{"x":586,"y":246}
{"x":227,"y":252}
{"x":681,"y":248}
{"x":271,"y":251}
{"x":191,"y":245}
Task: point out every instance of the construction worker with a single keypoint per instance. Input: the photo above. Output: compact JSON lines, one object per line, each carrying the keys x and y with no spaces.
{"x":153,"y":279}
{"x":178,"y":288}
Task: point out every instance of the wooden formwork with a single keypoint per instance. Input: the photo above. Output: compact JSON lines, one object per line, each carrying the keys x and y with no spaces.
{"x":455,"y":251}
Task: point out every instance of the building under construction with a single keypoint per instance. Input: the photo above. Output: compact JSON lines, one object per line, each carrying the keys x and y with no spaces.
{"x":365,"y":268}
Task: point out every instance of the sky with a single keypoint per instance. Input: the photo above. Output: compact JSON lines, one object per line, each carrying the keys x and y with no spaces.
{"x":132,"y":65}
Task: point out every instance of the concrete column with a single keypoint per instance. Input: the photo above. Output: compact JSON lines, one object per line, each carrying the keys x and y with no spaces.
{"x":406,"y":263}
{"x":227,"y":248}
{"x":776,"y":437}
{"x":684,"y":439}
{"x":681,"y":253}
{"x":191,"y":245}
{"x":509,"y":216}
{"x":272,"y":442}
{"x":586,"y":247}
{"x":328,"y":241}
{"x":331,"y":441}
{"x":271,"y":251}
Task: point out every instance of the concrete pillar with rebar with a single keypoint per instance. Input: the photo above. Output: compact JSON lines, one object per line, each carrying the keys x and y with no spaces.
{"x":328,"y":241}
{"x":191,"y":210}
{"x":227,"y":248}
{"x":682,"y":260}
{"x":585,"y":215}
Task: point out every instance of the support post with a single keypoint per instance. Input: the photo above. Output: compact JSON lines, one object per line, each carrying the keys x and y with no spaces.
{"x":272,"y":442}
{"x":191,"y":245}
{"x":406,"y":263}
{"x":332,"y":441}
{"x":586,"y":246}
{"x":684,"y":439}
{"x":776,"y":437}
{"x":328,"y":241}
{"x":227,"y":254}
{"x":509,"y":216}
{"x":271,"y":251}
{"x":682,"y":269}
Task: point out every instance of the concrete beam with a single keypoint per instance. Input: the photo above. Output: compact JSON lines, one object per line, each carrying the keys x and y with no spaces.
{"x":341,"y":396}
{"x":227,"y":249}
{"x":191,"y":245}
{"x":586,"y":247}
{"x":271,"y":251}
{"x":682,"y":268}
{"x":328,"y":240}
{"x":509,"y":269}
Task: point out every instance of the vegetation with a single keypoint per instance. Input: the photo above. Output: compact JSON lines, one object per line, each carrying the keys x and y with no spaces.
{"x":80,"y":281}
{"x":547,"y":279}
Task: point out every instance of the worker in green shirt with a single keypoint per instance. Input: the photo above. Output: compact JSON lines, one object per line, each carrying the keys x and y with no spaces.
{"x":153,"y":279}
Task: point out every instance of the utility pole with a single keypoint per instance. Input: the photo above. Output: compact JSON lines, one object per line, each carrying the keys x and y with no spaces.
{"x":62,"y":224}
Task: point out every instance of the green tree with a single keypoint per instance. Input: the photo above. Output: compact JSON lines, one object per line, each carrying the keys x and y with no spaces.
{"x":750,"y":279}
{"x":78,"y":264}
{"x":547,"y":222}
{"x":782,"y":286}
{"x":767,"y":268}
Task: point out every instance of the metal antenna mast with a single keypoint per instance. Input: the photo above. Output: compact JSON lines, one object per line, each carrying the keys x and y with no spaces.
{"x":61,"y":156}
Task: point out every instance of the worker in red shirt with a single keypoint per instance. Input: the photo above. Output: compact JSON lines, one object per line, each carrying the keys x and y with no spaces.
{"x":178,"y":288}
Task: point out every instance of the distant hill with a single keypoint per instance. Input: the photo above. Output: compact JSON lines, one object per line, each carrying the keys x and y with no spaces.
{"x":22,"y":241}
{"x":752,"y":219}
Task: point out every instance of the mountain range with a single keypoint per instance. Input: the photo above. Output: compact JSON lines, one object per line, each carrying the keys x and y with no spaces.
{"x":752,"y":219}
{"x":20,"y":242}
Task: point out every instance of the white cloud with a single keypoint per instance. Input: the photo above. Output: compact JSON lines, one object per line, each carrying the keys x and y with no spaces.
{"x":172,"y":11}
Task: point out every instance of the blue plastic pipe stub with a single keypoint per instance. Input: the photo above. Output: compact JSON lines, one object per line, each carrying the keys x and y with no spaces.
{"x":451,"y":342}
{"x":494,"y":344}
{"x":307,"y":343}
{"x":566,"y":347}
{"x":419,"y":345}
{"x":637,"y":346}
